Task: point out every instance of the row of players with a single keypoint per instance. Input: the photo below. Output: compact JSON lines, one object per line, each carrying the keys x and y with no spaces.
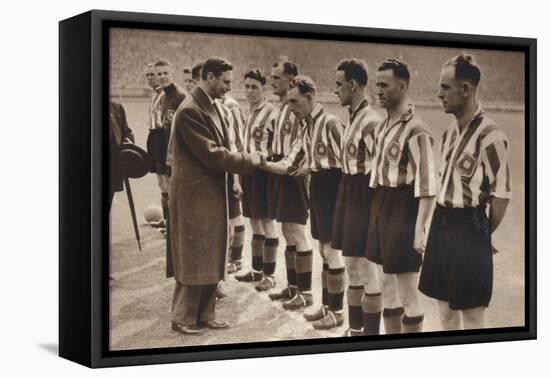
{"x":377,"y":206}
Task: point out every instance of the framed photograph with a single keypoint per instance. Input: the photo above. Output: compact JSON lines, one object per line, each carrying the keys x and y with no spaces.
{"x":235,"y":189}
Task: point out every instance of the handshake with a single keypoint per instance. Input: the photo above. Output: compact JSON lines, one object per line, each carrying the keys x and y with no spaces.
{"x":258,"y":159}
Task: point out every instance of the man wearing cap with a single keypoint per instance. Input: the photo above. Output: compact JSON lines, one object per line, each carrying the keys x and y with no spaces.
{"x":474,"y":175}
{"x":403,"y":175}
{"x":287,"y":195}
{"x":202,"y":160}
{"x":351,"y":219}
{"x":317,"y":151}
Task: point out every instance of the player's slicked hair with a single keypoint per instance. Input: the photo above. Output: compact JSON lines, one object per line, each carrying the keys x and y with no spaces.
{"x":289,"y":68}
{"x":304,"y":84}
{"x":466,"y":68}
{"x":196,"y":71}
{"x":149,"y":69}
{"x":255,"y":74}
{"x":162,"y":63}
{"x":398,"y":67}
{"x":354,"y":69}
{"x":215,"y":65}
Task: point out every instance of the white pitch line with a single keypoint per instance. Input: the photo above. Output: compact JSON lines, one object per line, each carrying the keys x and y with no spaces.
{"x":138,"y":269}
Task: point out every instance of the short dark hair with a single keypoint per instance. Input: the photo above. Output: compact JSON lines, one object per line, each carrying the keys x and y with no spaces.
{"x":216,"y":66}
{"x":187,"y":70}
{"x":304,"y":84}
{"x":399,"y":68}
{"x":255,"y":74}
{"x":354,"y":69}
{"x":162,"y":63}
{"x":466,"y":68}
{"x":289,"y":68}
{"x":196,"y":71}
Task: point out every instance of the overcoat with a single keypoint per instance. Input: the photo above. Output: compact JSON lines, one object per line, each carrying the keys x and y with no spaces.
{"x":198,"y":198}
{"x":119,"y":133}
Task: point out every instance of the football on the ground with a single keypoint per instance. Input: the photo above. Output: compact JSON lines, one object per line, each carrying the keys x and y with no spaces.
{"x":153,"y":214}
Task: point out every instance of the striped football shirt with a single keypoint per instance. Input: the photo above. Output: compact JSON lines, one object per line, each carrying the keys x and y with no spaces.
{"x":318,"y":145}
{"x":287,"y":128}
{"x":404,"y":155}
{"x":233,"y":118}
{"x":474,"y":163}
{"x":155,"y":119}
{"x":358,"y":140}
{"x":258,"y":128}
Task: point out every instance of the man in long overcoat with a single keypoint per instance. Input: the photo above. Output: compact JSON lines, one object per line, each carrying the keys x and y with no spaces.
{"x":119,"y":133}
{"x":198,"y":199}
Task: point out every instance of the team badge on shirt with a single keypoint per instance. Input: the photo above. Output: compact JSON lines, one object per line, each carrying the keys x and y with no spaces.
{"x":257,"y":134}
{"x":170,"y":115}
{"x":351,"y":150}
{"x":393,"y":151}
{"x":466,"y":165}
{"x":287,"y":127}
{"x":320,"y":149}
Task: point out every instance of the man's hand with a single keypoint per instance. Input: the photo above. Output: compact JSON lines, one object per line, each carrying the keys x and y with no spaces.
{"x":419,"y":245}
{"x":256,"y":158}
{"x":237,"y":190}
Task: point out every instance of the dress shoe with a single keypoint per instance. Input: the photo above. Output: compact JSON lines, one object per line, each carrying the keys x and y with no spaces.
{"x":187,"y":329}
{"x":216,"y":324}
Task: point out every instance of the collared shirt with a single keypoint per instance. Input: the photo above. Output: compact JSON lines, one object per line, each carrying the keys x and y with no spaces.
{"x":258,"y":129}
{"x":318,"y":145}
{"x":474,"y":163}
{"x":358,"y":140}
{"x":404,"y":155}
{"x":287,"y":128}
{"x":155,"y":112}
{"x":233,"y":118}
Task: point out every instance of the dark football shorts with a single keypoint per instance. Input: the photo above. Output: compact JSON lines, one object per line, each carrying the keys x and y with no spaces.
{"x":287,"y":199}
{"x":351,"y":216}
{"x":254,"y":199}
{"x":391,"y":230}
{"x":157,"y":147}
{"x":458,"y":262}
{"x":323,"y":189}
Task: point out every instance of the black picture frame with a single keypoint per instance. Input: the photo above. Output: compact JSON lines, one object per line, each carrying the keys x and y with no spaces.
{"x":83,"y":229}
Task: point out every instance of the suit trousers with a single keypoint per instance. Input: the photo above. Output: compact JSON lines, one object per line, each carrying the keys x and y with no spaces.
{"x":193,"y":305}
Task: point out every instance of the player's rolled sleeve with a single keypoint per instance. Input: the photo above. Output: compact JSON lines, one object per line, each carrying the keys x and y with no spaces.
{"x":422,"y":156}
{"x":496,"y":166}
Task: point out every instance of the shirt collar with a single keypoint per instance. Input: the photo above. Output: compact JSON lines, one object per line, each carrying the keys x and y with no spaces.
{"x":263,"y":103}
{"x":170,"y":88}
{"x":478,"y":113}
{"x":362,"y":105}
{"x":317,"y":111}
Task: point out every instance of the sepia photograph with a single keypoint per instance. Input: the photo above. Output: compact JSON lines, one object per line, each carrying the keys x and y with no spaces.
{"x":268,"y":189}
